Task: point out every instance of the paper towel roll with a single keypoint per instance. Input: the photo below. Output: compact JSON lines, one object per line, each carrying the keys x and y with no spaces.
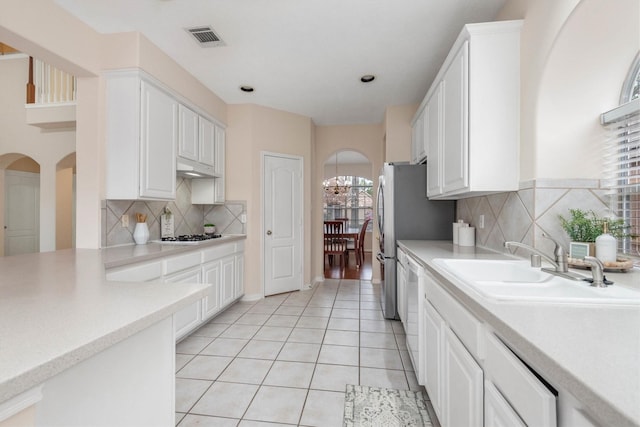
{"x":467,"y":236}
{"x":456,"y":226}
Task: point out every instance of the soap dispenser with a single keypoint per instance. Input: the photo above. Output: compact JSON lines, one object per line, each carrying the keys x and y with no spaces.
{"x":606,"y":245}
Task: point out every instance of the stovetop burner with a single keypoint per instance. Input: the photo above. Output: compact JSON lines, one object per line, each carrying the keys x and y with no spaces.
{"x":191,"y":238}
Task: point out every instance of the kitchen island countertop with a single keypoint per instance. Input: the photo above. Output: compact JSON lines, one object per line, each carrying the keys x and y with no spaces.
{"x":57,"y":309}
{"x":591,"y":351}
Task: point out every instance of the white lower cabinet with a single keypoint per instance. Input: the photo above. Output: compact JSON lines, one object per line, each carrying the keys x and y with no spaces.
{"x":221,"y":266}
{"x":497,"y":411}
{"x":432,"y":355}
{"x":462,"y":385}
{"x":189,"y":317}
{"x":211,"y":275}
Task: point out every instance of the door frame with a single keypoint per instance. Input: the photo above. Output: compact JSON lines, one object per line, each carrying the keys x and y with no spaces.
{"x":300,"y":159}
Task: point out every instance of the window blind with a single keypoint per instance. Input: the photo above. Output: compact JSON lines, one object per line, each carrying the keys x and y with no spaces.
{"x":622,"y":168}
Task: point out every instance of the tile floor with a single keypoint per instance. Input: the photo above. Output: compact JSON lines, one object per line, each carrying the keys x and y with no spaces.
{"x":285,"y":360}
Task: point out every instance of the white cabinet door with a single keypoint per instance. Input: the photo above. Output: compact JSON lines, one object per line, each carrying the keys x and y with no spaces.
{"x":433,"y":136}
{"x":211,"y":303}
{"x":418,"y":152}
{"x":188,"y":133}
{"x":219,"y":195}
{"x":239,"y":279}
{"x":189,"y":317}
{"x":497,"y":411}
{"x":462,"y":385}
{"x":455,"y":174}
{"x":228,"y":279}
{"x":207,"y":140}
{"x":158,"y":133}
{"x":432,"y":354}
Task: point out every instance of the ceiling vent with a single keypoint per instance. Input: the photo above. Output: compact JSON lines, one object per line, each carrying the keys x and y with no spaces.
{"x":205,"y":36}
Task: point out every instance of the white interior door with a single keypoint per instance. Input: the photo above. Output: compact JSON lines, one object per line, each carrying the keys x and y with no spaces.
{"x":282,"y":220}
{"x":22,"y":213}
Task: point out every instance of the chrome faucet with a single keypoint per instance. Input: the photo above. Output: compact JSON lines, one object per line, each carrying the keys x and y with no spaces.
{"x":597,"y":270}
{"x":560,"y":261}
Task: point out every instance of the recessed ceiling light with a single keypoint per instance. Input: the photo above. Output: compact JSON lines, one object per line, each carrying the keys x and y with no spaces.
{"x":367,"y":78}
{"x":246,"y":88}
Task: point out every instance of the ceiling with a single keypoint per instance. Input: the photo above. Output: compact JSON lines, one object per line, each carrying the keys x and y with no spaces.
{"x":302,"y":56}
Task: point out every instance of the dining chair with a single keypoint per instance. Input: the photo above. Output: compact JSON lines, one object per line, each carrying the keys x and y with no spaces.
{"x":358,"y":246}
{"x":333,"y":227}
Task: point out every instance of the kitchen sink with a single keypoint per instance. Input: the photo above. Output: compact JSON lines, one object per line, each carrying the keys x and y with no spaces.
{"x":516,"y":280}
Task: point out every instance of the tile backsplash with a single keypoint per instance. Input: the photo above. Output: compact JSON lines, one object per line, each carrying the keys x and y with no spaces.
{"x":525,"y":214}
{"x":189,"y":219}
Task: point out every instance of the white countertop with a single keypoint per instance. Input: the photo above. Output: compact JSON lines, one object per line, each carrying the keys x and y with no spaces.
{"x":118,"y":256}
{"x":593,"y":352}
{"x":57,"y":309}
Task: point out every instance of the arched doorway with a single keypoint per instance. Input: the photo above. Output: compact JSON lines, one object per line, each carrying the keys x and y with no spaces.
{"x":20,"y":186}
{"x":348,"y":193}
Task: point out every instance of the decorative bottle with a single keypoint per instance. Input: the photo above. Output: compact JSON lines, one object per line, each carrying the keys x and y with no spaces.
{"x":141,"y":233}
{"x":606,"y":245}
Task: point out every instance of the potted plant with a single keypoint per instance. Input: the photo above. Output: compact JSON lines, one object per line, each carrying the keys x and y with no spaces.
{"x":209,"y":228}
{"x":583,"y":227}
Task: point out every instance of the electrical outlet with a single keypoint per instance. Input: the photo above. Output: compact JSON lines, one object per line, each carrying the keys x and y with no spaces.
{"x":125,"y":221}
{"x":243,"y":218}
{"x":481,"y":221}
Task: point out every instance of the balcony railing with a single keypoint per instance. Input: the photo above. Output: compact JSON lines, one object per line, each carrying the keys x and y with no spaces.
{"x":49,"y":85}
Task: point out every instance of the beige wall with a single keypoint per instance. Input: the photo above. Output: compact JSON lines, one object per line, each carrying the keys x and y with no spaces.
{"x":64,"y":207}
{"x":365,"y":139}
{"x":397,"y":127}
{"x":574,"y":57}
{"x":253,"y":130}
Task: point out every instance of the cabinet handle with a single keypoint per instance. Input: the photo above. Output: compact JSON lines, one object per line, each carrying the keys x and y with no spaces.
{"x":269,"y":233}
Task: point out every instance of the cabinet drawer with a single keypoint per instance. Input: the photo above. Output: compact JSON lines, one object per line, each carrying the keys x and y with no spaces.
{"x":463,"y":323}
{"x":527,"y":395}
{"x":181,"y":262}
{"x":138,"y":273}
{"x":218,"y":252}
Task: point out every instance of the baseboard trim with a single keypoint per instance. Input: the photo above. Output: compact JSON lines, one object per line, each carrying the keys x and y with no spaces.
{"x":251,"y":297}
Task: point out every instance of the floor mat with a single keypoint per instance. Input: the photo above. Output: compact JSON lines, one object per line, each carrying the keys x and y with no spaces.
{"x":382,"y":407}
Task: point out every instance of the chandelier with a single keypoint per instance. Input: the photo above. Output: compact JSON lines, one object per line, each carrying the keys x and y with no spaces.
{"x":338,"y":187}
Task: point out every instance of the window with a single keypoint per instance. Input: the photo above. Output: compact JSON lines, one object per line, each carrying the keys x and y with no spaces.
{"x":622,"y":159}
{"x":356,"y":203}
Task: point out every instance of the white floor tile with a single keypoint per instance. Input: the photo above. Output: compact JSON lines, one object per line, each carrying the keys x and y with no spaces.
{"x":256,"y":349}
{"x":385,"y":378}
{"x":317,"y":311}
{"x":225,"y":347}
{"x":207,"y":421}
{"x":240,"y":331}
{"x":251,"y":423}
{"x":349,"y":338}
{"x":339,"y":355}
{"x":344,"y":324}
{"x":312,"y":322}
{"x":378,"y":340}
{"x":210,"y":330}
{"x":226,"y":400}
{"x":287,"y":310}
{"x":383,"y":326}
{"x":277,"y":404}
{"x":273,"y":333}
{"x":204,"y":367}
{"x":252,"y":319}
{"x":346,"y":304}
{"x":280,"y":320}
{"x":323,"y":409}
{"x":380,"y":358}
{"x":299,"y":352}
{"x":290,"y":374}
{"x":188,"y":392}
{"x":246,"y":371}
{"x":179,"y":417}
{"x":334,"y":377}
{"x":312,"y":336}
{"x":371,"y":315}
{"x":345,"y":313}
{"x":182,"y":360}
{"x":193,"y":344}
{"x":263,"y":309}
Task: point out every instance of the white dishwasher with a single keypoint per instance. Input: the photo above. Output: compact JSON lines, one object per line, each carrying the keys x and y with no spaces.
{"x":414,"y":318}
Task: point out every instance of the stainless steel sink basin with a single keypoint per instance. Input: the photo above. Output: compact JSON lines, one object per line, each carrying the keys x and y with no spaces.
{"x":515,"y":280}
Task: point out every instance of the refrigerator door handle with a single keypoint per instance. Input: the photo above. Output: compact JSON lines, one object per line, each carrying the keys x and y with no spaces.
{"x":380,"y":257}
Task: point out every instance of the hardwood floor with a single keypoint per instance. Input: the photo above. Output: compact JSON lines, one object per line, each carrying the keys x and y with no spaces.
{"x":350,"y":272}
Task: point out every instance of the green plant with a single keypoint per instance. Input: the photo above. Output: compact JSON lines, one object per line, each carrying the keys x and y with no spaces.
{"x":586,"y":226}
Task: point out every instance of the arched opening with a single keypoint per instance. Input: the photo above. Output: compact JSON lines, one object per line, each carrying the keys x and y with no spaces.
{"x":348,"y":195}
{"x":66,"y":202}
{"x":20,"y":210}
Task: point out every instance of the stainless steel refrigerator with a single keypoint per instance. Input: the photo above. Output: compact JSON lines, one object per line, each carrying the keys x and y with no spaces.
{"x":405,"y":213}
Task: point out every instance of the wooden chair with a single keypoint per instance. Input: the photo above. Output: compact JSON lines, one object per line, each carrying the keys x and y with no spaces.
{"x":358,"y":246}
{"x":333,"y":240}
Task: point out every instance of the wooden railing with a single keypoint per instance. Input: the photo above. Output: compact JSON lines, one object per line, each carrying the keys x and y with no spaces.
{"x":49,"y":85}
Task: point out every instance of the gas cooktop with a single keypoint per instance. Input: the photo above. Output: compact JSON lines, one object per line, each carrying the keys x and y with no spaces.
{"x":187,"y":239}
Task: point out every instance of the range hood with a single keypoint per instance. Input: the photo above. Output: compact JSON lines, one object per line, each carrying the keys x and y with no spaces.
{"x":190,"y":169}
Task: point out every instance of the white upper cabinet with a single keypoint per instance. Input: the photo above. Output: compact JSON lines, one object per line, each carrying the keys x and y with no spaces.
{"x":207,"y":138}
{"x":474,"y":150}
{"x":418,"y":147}
{"x":188,"y":135}
{"x":141,"y":131}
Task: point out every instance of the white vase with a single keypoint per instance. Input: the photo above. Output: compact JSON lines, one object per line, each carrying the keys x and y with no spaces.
{"x":141,"y":233}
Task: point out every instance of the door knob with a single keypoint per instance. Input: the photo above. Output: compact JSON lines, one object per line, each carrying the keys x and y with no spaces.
{"x":269,"y":233}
